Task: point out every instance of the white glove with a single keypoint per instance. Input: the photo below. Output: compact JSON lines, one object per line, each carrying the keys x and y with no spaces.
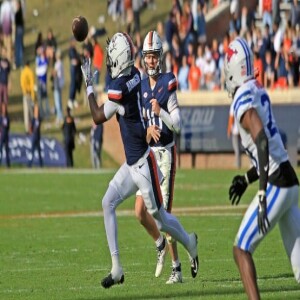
{"x":87,"y":72}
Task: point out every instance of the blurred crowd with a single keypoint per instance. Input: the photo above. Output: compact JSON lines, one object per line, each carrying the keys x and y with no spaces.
{"x":272,"y":34}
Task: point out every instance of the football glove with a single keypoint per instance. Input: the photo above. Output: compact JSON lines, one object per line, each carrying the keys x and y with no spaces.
{"x":87,"y":72}
{"x":238,"y":186}
{"x":262,"y":217}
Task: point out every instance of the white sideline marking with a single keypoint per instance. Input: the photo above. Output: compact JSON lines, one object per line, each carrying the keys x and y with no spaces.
{"x":63,"y":171}
{"x":217,"y":210}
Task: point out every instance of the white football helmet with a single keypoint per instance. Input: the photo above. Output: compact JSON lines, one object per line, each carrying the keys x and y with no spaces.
{"x":238,"y":65}
{"x":120,"y":54}
{"x":153,"y":44}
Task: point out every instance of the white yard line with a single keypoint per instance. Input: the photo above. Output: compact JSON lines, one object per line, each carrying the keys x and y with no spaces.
{"x":217,"y":210}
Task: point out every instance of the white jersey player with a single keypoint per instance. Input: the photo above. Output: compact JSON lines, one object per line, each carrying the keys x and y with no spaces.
{"x":140,"y":171}
{"x":277,"y":198}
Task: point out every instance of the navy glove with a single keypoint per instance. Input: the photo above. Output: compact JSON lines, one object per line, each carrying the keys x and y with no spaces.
{"x":262,"y":217}
{"x":238,"y":186}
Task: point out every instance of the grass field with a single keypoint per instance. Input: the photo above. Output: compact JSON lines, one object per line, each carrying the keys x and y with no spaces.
{"x":53,"y":243}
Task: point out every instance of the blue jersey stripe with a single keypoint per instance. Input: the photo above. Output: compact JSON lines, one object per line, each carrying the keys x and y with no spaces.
{"x":248,"y":100}
{"x":246,"y":93}
{"x":252,"y":218}
{"x":273,"y":200}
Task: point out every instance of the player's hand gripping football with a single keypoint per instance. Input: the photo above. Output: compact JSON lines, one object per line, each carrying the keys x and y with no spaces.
{"x":86,"y":69}
{"x":262,"y":217}
{"x":237,"y":189}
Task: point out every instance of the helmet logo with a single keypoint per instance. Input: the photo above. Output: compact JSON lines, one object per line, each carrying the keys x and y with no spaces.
{"x":229,"y":53}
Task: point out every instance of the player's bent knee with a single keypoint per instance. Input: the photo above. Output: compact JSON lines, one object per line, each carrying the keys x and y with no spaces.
{"x":110,"y":199}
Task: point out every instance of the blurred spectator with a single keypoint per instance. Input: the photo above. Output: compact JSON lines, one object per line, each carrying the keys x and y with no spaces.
{"x":186,"y":27}
{"x":69,"y":132}
{"x":51,"y":46}
{"x":294,"y":16}
{"x":41,"y":68}
{"x":4,"y":132}
{"x":136,"y":8}
{"x":58,"y":82}
{"x":269,"y":76}
{"x":233,"y":133}
{"x":7,"y":20}
{"x":170,"y":29}
{"x":5,"y":68}
{"x":96,"y":145}
{"x":194,"y":76}
{"x":35,"y":131}
{"x":267,"y":12}
{"x":183,"y":74}
{"x":201,"y":23}
{"x":209,"y":71}
{"x":19,"y":34}
{"x":258,"y":68}
{"x":215,"y":55}
{"x":114,"y":9}
{"x":27,"y":86}
{"x":160,"y":30}
{"x":74,"y":73}
{"x":276,"y":18}
{"x":176,"y":49}
{"x":168,"y":63}
{"x":200,"y":63}
{"x":282,"y":68}
{"x":97,"y":58}
{"x":38,"y":43}
{"x":189,"y":53}
{"x":138,"y":65}
{"x":235,"y":21}
{"x":247,"y":19}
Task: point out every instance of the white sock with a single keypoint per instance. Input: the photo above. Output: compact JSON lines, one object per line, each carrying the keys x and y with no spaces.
{"x":175,"y":263}
{"x":116,"y":270}
{"x":159,"y":241}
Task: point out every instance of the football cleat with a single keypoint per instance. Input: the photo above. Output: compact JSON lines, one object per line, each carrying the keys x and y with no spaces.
{"x":193,"y":256}
{"x":176,"y":276}
{"x":161,"y":255}
{"x":108,"y":281}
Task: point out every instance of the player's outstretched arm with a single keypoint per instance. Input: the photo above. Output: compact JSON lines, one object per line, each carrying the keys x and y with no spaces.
{"x":97,"y":112}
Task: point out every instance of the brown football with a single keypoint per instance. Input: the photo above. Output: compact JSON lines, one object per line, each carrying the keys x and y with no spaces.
{"x":80,"y":28}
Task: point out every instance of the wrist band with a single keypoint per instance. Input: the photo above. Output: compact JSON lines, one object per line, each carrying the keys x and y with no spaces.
{"x":89,"y":90}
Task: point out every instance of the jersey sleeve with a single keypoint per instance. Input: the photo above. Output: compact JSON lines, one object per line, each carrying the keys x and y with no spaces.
{"x":115,"y":91}
{"x":172,"y":82}
{"x":243,"y":101}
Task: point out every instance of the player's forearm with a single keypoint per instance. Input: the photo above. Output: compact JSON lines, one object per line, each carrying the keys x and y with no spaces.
{"x":262,"y":145}
{"x":96,"y":111}
{"x":172,"y":120}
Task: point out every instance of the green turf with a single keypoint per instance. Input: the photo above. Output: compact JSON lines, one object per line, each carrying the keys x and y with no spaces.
{"x":51,"y":256}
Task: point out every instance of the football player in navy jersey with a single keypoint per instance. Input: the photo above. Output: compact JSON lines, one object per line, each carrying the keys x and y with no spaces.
{"x":161,"y":111}
{"x":277,"y":198}
{"x":140,"y":171}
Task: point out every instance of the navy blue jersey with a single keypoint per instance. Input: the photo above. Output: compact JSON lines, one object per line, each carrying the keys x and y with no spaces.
{"x":166,"y":85}
{"x":126,"y":90}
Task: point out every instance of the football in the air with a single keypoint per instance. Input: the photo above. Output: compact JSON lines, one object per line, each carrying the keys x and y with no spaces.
{"x":80,"y":28}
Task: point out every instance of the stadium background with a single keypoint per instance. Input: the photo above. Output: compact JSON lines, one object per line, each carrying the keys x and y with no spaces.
{"x":58,"y":15}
